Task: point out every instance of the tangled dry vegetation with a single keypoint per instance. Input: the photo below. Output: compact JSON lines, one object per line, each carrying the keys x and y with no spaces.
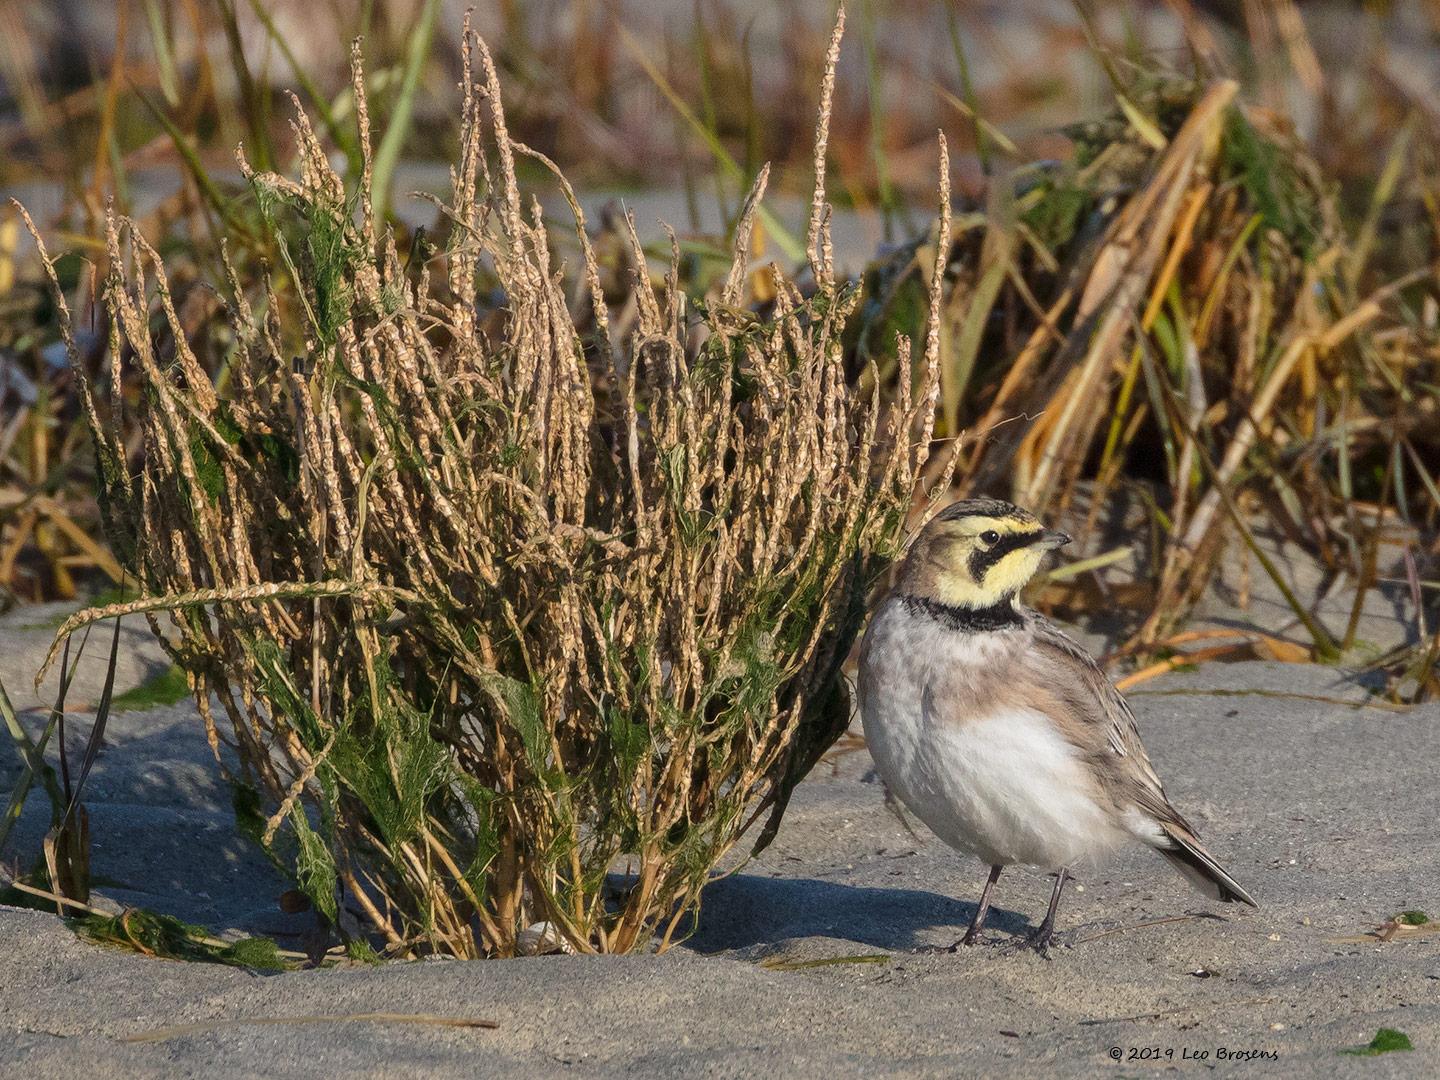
{"x":505,"y":588}
{"x":509,"y":625}
{"x":1184,"y":321}
{"x":1200,"y":317}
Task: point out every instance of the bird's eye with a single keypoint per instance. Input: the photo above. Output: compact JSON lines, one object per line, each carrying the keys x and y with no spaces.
{"x":990,"y":538}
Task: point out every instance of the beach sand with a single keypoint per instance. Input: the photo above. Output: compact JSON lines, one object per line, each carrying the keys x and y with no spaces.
{"x":1320,"y":803}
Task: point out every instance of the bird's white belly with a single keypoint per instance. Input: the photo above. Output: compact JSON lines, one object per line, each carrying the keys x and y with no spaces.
{"x":1006,"y":786}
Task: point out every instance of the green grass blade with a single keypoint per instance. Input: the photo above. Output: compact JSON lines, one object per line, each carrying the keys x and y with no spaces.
{"x":387,"y":156}
{"x":164,"y":56}
{"x":257,"y":110}
{"x":337,"y":131}
{"x":1384,"y":191}
{"x":889,"y":205}
{"x":784,"y":239}
{"x":1326,"y":648}
{"x":971,"y":101}
{"x":32,"y":754}
{"x":196,"y":168}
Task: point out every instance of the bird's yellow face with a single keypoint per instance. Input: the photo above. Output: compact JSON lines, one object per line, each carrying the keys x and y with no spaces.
{"x":977,"y":553}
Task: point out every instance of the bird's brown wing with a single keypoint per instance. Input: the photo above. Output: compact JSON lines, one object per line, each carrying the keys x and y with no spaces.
{"x":1097,"y":720}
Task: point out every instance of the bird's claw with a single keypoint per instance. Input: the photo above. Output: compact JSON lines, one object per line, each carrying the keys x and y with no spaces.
{"x":937,"y":950}
{"x":1040,"y":941}
{"x":971,"y":938}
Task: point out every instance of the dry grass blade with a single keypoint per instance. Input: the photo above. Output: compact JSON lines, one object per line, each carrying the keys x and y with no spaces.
{"x":32,"y":758}
{"x":508,"y":626}
{"x":179,"y":1031}
{"x":1174,"y":325}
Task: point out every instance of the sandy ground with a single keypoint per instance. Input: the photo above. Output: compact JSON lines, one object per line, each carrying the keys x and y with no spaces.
{"x":1320,"y":803}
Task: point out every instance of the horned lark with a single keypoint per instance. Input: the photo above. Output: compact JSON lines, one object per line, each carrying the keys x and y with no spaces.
{"x":999,"y":732}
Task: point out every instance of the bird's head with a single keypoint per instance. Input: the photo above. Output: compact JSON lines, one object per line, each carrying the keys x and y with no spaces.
{"x":977,"y":553}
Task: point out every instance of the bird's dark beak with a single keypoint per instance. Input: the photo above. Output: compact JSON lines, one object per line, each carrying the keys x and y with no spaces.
{"x":1051,"y":539}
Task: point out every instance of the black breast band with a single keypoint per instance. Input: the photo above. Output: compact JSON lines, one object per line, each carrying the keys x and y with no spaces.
{"x":1000,"y":616}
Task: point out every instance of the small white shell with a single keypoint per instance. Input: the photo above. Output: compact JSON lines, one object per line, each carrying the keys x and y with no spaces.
{"x":542,"y":939}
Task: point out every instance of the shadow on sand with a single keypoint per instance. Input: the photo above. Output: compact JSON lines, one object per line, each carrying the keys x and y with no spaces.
{"x":749,"y":910}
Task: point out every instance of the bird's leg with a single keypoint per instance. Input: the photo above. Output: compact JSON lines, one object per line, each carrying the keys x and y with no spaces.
{"x":978,"y":922}
{"x":1040,"y":940}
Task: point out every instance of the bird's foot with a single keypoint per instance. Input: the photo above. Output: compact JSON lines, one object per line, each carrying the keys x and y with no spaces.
{"x":1041,"y":941}
{"x":972,"y":937}
{"x":938,"y":950}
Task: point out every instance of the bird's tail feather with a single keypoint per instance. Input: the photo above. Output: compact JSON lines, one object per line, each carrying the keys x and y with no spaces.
{"x":1198,"y":867}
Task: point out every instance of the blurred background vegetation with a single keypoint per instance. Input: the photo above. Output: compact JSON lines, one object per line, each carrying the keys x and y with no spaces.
{"x":629,"y":93}
{"x":1222,"y":312}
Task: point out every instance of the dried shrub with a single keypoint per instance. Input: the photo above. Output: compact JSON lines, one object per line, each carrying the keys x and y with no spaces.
{"x":508,"y":624}
{"x":1184,"y":321}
